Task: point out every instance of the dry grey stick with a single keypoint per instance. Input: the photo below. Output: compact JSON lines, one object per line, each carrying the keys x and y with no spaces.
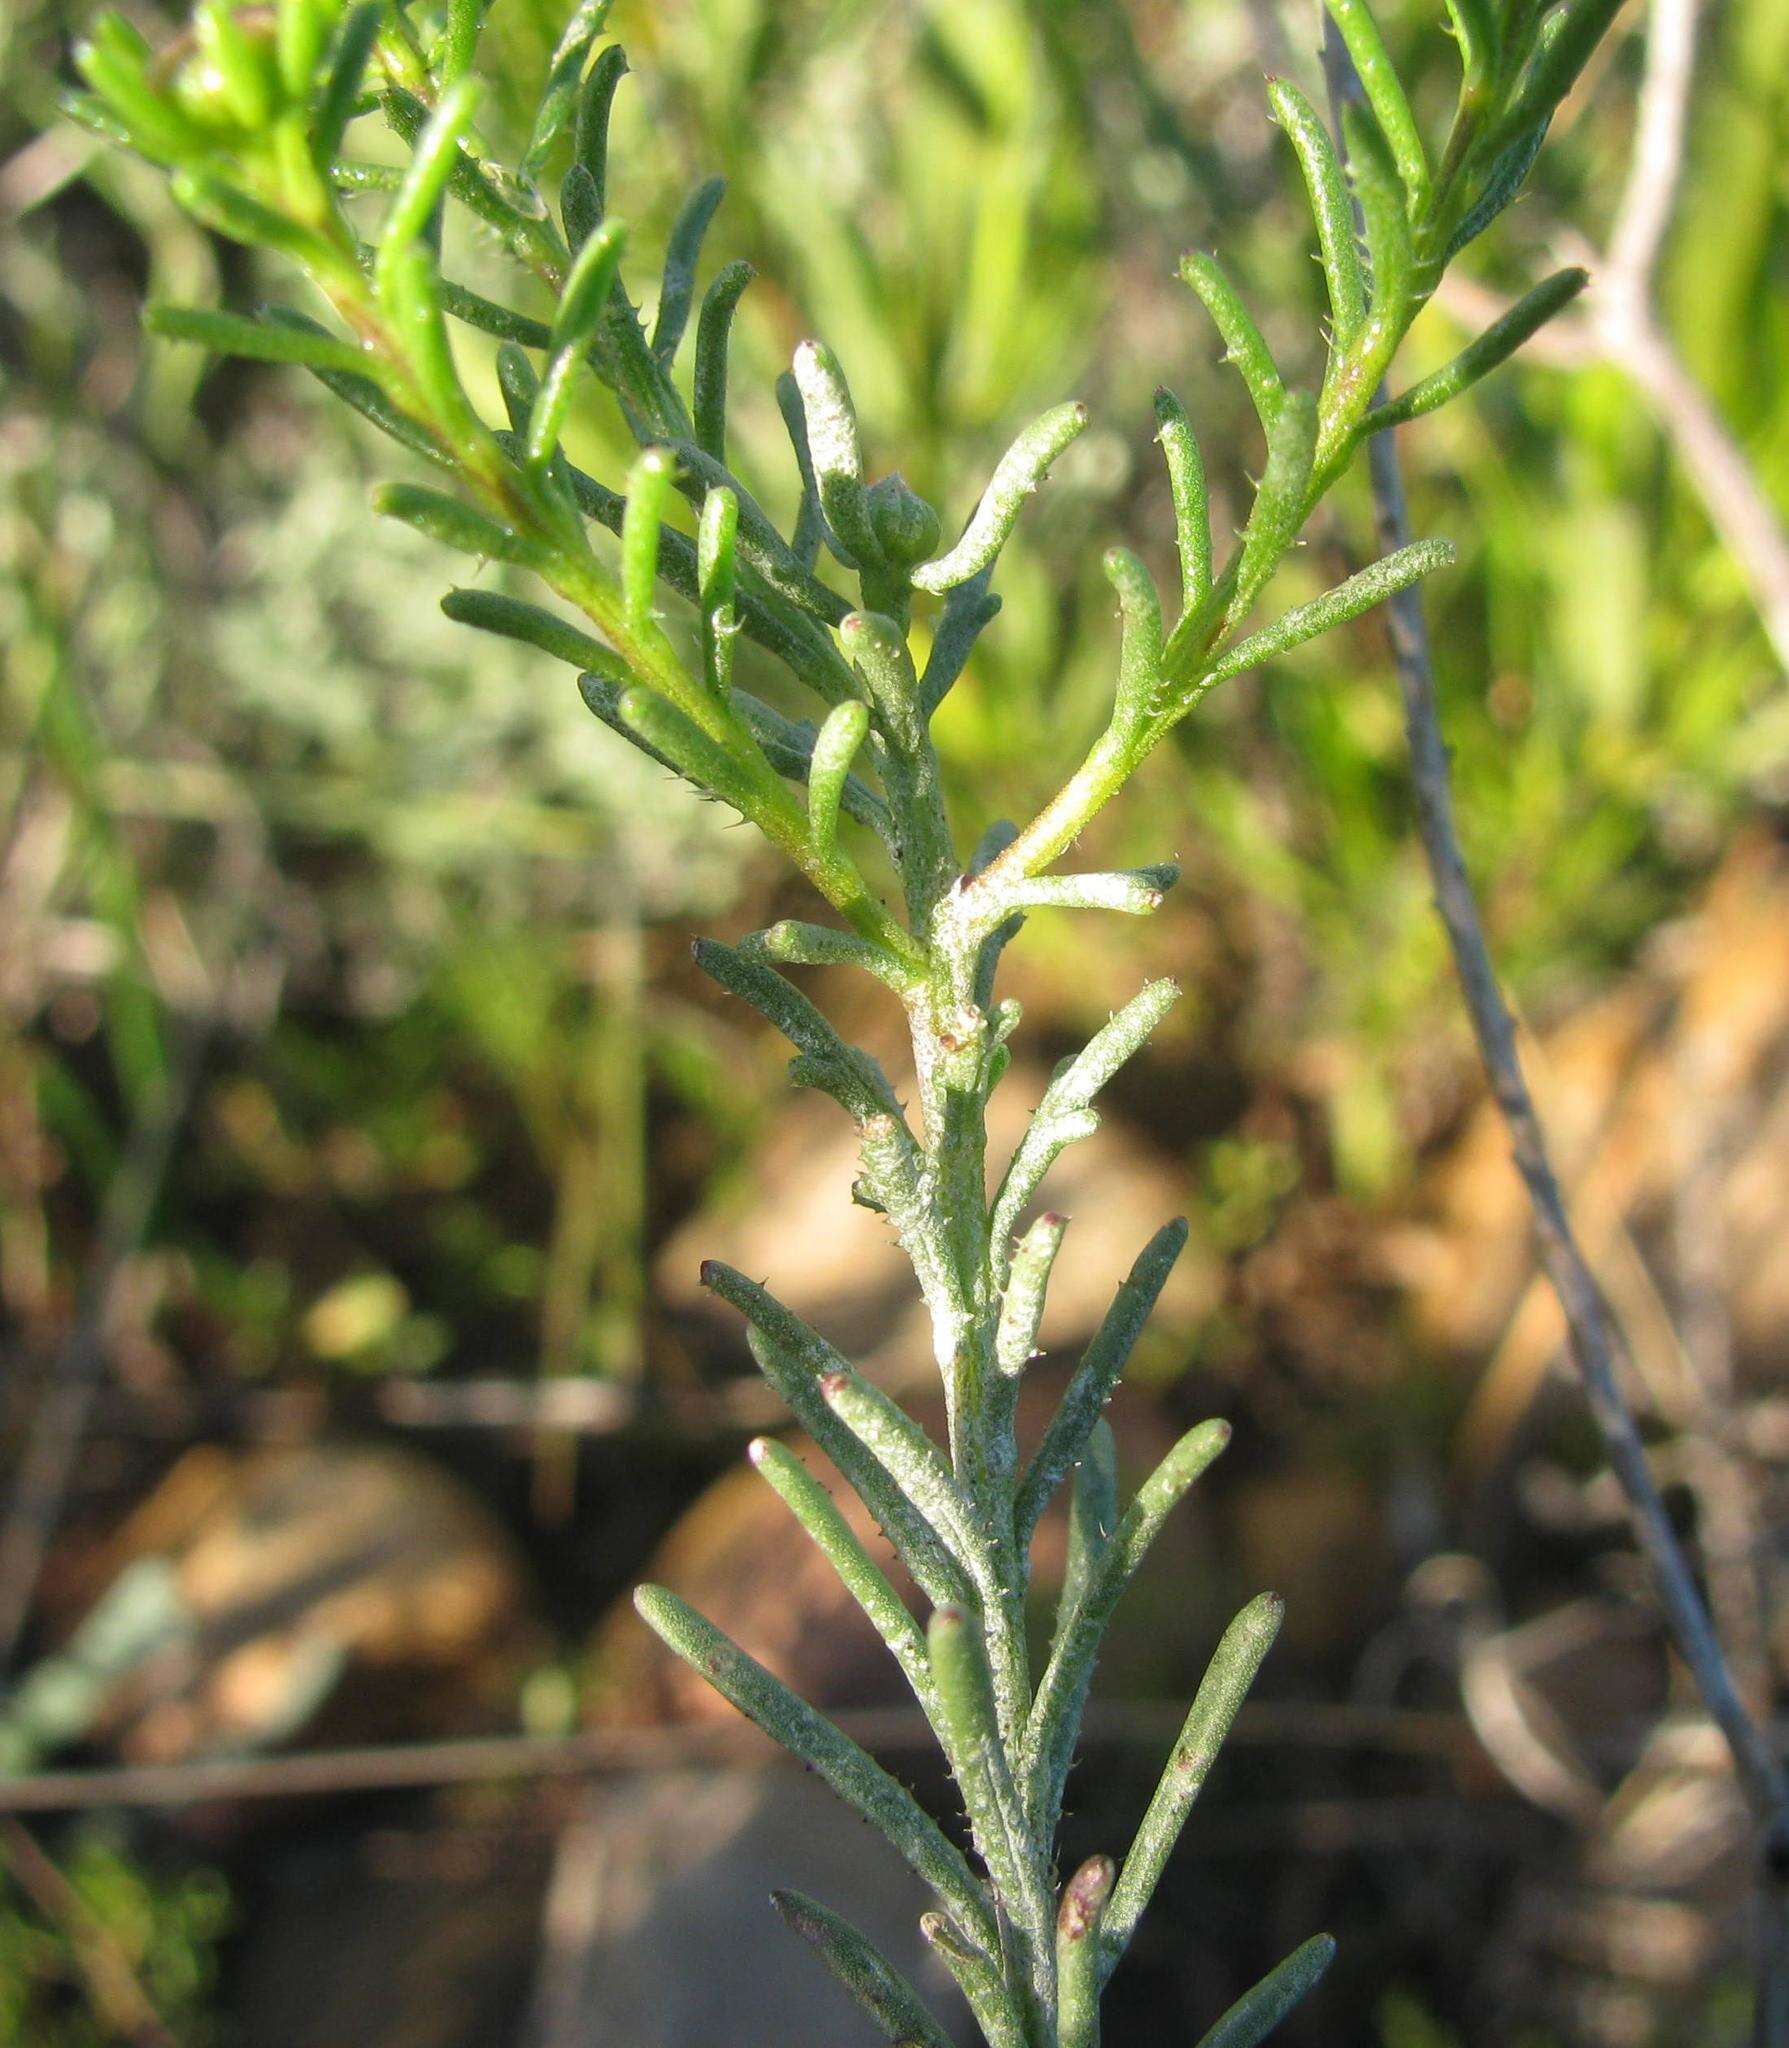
{"x":1595,"y":1344}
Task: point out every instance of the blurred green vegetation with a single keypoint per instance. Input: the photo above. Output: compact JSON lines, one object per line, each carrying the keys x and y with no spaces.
{"x":143,"y":1935}
{"x":416,"y":922}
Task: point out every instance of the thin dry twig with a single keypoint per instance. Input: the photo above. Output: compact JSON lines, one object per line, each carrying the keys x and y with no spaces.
{"x":112,"y":1986}
{"x":1446,"y":1738}
{"x":1596,"y":1346}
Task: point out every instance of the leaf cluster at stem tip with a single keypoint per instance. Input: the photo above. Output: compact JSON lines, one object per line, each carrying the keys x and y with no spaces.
{"x":652,"y":587}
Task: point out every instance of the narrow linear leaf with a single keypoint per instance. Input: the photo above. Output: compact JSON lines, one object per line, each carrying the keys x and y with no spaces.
{"x":490,"y":318}
{"x":810,"y":522}
{"x":1330,"y":207}
{"x":410,"y":285}
{"x":589,"y":284}
{"x":1385,"y":94}
{"x":1504,"y":179}
{"x":454,"y":524}
{"x":1063,"y":1114}
{"x":869,"y":1977}
{"x":717,"y":578}
{"x":1496,"y":345}
{"x":1140,"y":643}
{"x":671,"y":735}
{"x":1081,"y":1621}
{"x":918,"y":1546}
{"x":243,"y":218}
{"x":590,"y":143}
{"x":492,"y":612}
{"x":1281,"y":500}
{"x":1386,"y":226}
{"x":1568,"y":40}
{"x":1102,"y":1365}
{"x":559,"y":101}
{"x":861,"y":1782}
{"x":835,"y":453}
{"x":789,"y":747}
{"x":1132,"y":891}
{"x":1255,"y":2015}
{"x":1186,"y":485}
{"x":915,"y":1462}
{"x":1017,"y":474}
{"x":856,"y":1080}
{"x":1243,"y":345}
{"x":341,"y":91}
{"x":677,"y":291}
{"x":1368,"y":587}
{"x":813,"y":1507}
{"x":1093,"y":1520}
{"x":836,"y":746}
{"x":714,"y":329}
{"x":433,"y":159}
{"x":261,"y":341}
{"x":968,"y":1725}
{"x":1239,"y":1655}
{"x":374,"y":405}
{"x":649,"y":485}
{"x":968,"y":611}
{"x":1027,"y":1284}
{"x":1078,"y":1951}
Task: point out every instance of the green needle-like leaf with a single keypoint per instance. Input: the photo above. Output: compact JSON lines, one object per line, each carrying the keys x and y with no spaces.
{"x":714,"y":328}
{"x":262,"y":341}
{"x":1018,"y":473}
{"x":1140,"y":649}
{"x":862,"y":1783}
{"x":596,"y":101}
{"x":1330,"y":206}
{"x":560,"y":100}
{"x":873,"y":1981}
{"x":649,"y":485}
{"x":835,"y":453}
{"x":1221,"y":1693}
{"x":813,"y":1507}
{"x":1022,"y":1308}
{"x":1102,"y":1366}
{"x":1065,"y":1114}
{"x":1335,"y":607}
{"x":1390,"y":250}
{"x":1186,"y":484}
{"x":678,"y":290}
{"x":1280,"y":503}
{"x":1496,"y":345}
{"x":492,"y":612}
{"x":432,"y":164}
{"x":341,"y":91}
{"x":1385,"y":94}
{"x":1243,"y":344}
{"x":1078,"y":1952}
{"x":454,"y":524}
{"x":1255,"y":2015}
{"x":836,"y":746}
